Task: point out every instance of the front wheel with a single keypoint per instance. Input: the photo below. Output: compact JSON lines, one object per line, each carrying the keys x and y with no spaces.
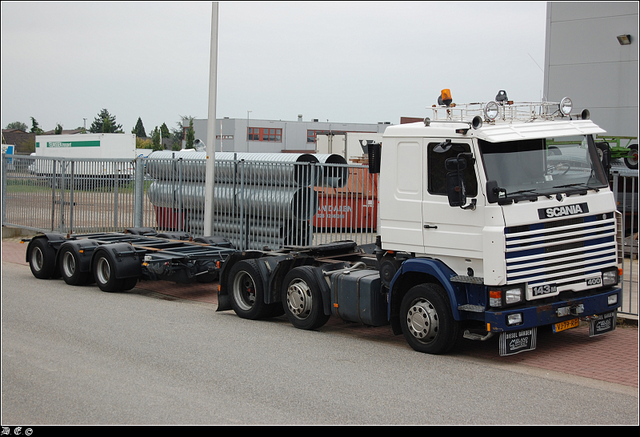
{"x":427,"y":321}
{"x":302,"y":299}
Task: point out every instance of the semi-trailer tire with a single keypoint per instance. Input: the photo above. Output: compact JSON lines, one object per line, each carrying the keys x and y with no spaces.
{"x":70,"y":267}
{"x":302,"y":299}
{"x":104,"y":270}
{"x":42,"y":259}
{"x":104,"y":273}
{"x":427,"y":321}
{"x":247,"y":291}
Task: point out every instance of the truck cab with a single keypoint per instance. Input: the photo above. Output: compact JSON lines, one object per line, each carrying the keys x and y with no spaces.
{"x":507,"y":209}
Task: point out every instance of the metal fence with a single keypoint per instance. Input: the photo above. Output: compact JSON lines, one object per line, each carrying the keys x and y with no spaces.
{"x":260,"y":201}
{"x":625,"y":186}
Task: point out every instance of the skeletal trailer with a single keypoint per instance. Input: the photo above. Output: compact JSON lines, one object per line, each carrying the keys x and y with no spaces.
{"x":116,"y":261}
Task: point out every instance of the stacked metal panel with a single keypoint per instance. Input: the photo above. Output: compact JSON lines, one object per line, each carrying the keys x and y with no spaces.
{"x":259,"y":200}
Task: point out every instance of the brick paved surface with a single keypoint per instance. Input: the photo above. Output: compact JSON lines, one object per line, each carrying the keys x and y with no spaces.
{"x":611,"y":358}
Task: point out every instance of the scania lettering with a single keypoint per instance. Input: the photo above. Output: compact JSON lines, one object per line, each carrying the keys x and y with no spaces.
{"x":560,"y":211}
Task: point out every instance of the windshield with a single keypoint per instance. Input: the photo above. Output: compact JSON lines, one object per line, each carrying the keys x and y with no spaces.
{"x":530,"y":168}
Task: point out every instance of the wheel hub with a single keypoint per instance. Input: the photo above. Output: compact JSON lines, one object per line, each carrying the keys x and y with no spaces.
{"x":245,"y":290}
{"x":422,"y":321}
{"x":299,"y":300}
{"x":68,"y":264}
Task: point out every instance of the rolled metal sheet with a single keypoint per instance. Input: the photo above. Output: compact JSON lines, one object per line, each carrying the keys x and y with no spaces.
{"x":300,"y":203}
{"x":285,"y":169}
{"x":335,"y":172}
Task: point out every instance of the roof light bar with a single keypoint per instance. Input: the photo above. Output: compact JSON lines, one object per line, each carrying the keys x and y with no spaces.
{"x":566,"y":105}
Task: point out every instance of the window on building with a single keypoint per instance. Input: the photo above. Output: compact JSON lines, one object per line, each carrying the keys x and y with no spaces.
{"x":264,"y":134}
{"x":311,"y":134}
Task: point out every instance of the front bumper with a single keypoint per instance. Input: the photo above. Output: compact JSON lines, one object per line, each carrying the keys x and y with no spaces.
{"x":547,"y":314}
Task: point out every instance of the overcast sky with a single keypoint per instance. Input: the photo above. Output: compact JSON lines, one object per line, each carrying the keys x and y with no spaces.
{"x":343,"y":62}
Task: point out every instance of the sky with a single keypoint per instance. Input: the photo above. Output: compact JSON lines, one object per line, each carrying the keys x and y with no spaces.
{"x":352,"y":62}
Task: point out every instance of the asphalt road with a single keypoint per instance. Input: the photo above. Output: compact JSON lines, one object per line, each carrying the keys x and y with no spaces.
{"x":76,"y":355}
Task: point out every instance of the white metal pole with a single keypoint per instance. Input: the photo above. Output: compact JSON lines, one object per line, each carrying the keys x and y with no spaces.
{"x":211,"y":124}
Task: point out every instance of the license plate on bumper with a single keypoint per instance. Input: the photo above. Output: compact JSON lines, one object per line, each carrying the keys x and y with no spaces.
{"x":514,"y":342}
{"x":563,"y":326}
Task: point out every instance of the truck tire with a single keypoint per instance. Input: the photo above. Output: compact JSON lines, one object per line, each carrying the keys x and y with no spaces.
{"x":70,"y":267}
{"x":42,"y":259}
{"x":632,"y":160}
{"x":103,"y":269}
{"x":302,"y":299}
{"x":247,"y":291}
{"x":427,"y":321}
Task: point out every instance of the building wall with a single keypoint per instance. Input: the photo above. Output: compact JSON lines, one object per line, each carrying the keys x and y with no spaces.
{"x":583,"y":60}
{"x":293,"y":136}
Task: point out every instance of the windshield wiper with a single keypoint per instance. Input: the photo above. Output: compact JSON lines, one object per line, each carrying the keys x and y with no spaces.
{"x":571,"y":185}
{"x":583,"y":188}
{"x":532,"y":197}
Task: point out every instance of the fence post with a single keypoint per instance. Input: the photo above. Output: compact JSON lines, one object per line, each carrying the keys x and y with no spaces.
{"x":138,"y":193}
{"x":4,"y":189}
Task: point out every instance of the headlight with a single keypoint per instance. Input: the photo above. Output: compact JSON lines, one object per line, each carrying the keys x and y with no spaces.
{"x":504,"y":296}
{"x":513,"y":295}
{"x":610,"y":277}
{"x":514,"y":319}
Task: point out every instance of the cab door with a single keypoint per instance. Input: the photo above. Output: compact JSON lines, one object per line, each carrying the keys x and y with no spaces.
{"x":452,"y":234}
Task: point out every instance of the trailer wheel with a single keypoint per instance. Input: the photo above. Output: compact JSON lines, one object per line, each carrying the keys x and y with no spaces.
{"x":632,"y":160}
{"x":302,"y":300}
{"x":104,"y":273}
{"x":426,"y":319}
{"x":247,"y":291}
{"x":70,"y":267}
{"x":42,"y":259}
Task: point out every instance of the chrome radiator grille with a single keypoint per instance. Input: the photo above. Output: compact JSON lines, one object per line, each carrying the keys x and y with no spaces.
{"x":566,"y":253}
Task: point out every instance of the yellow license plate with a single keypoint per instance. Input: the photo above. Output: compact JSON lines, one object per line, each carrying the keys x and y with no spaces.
{"x":562,"y":326}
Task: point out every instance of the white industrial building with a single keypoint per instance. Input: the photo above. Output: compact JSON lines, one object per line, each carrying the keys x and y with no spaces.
{"x":591,"y":55}
{"x":275,"y":136}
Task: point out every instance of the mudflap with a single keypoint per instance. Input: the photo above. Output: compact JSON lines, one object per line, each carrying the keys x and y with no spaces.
{"x":602,"y":323}
{"x":514,"y":342}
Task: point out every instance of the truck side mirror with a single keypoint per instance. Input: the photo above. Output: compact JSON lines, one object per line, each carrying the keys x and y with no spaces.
{"x":492,"y":192}
{"x":455,"y":181}
{"x":374,"y":150}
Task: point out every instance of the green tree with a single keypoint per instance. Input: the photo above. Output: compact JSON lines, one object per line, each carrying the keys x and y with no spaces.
{"x":105,"y":123}
{"x":190,"y":135}
{"x":139,"y":129}
{"x":164,"y":131}
{"x":17,"y":125}
{"x":177,"y":134}
{"x":58,"y":129}
{"x":155,"y":139}
{"x":35,"y":127}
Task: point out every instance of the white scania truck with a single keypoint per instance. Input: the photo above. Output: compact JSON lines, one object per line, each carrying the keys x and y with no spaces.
{"x":484,"y":229}
{"x":493,"y":219}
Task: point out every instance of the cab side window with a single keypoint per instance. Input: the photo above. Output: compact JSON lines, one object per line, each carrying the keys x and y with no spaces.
{"x":437,"y":174}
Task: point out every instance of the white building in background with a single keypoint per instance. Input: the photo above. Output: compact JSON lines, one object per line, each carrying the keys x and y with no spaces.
{"x":588,"y":59}
{"x":275,"y":136}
